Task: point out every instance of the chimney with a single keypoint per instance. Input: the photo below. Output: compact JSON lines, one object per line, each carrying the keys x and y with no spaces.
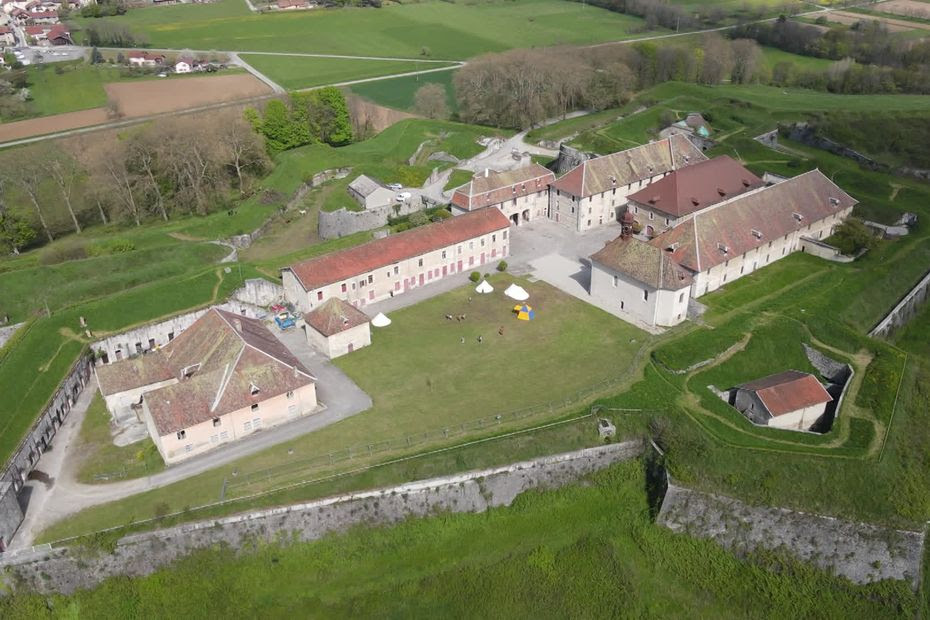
{"x":626,"y":225}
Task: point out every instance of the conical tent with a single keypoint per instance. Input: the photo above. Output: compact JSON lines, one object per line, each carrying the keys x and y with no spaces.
{"x":526,"y":313}
{"x":380,"y":320}
{"x":484,"y":287}
{"x":516,"y":292}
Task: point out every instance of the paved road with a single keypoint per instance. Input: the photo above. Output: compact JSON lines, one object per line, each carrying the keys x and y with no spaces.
{"x":340,"y":396}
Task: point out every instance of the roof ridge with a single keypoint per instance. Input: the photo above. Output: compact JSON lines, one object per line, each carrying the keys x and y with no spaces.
{"x":224,"y":380}
{"x":280,"y":361}
{"x":697,"y":246}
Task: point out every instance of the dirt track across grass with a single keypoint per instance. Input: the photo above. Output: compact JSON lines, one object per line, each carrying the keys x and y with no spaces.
{"x":893,"y":25}
{"x":167,"y":95}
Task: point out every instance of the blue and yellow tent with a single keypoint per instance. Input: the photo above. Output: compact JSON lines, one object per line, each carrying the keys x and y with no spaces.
{"x":524,"y":312}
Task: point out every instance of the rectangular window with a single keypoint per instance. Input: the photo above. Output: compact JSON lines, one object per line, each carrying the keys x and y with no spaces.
{"x":615,"y":281}
{"x":290,"y":394}
{"x":504,"y":235}
{"x":621,"y":305}
{"x":344,"y":287}
{"x":138,"y":347}
{"x":443,"y":254}
{"x":645,"y":294}
{"x":319,"y":295}
{"x":217,"y":422}
{"x":255,"y":407}
{"x":247,"y":426}
{"x":482,"y":241}
{"x":681,"y":297}
{"x":151,"y":343}
{"x":182,"y":434}
{"x":371,"y":279}
{"x":493,"y":240}
{"x":420,"y":263}
{"x":396,"y":270}
{"x":652,"y":215}
{"x":257,"y":423}
{"x":361,"y":284}
{"x":170,"y":336}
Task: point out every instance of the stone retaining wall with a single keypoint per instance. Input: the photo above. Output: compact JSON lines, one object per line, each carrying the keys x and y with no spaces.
{"x":36,"y":442}
{"x":65,"y":570}
{"x":904,"y":311}
{"x":335,"y":224}
{"x":861,"y":552}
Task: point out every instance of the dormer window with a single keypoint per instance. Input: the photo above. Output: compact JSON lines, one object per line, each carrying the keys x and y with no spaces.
{"x":723,"y":248}
{"x":756,"y":233}
{"x":253,"y":389}
{"x":694,"y":201}
{"x":188,"y":371}
{"x":797,"y":216}
{"x":721,"y":191}
{"x":746,"y":183}
{"x":672,"y":247}
{"x":835,"y":202}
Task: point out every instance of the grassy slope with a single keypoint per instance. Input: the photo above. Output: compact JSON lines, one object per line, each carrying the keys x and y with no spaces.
{"x":450,"y":30}
{"x":295,"y":72}
{"x":100,"y":457}
{"x":586,"y":550}
{"x":398,"y":92}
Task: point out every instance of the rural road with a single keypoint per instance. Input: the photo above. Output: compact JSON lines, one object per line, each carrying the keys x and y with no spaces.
{"x":61,"y":494}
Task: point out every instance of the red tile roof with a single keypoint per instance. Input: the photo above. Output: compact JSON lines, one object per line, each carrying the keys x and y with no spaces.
{"x":698,"y":186}
{"x":344,"y":264}
{"x":630,"y":166}
{"x":788,"y":391}
{"x":497,"y":187}
{"x":644,"y":263}
{"x":736,"y":226}
{"x":227,"y":354}
{"x":335,"y":316}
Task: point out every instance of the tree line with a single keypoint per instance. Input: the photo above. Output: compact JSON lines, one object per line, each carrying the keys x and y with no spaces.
{"x":869,"y":59}
{"x":521,"y":88}
{"x":656,"y":13}
{"x":304,"y":118}
{"x":177,"y":166}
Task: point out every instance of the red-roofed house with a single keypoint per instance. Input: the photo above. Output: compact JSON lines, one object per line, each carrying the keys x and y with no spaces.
{"x":390,"y":266}
{"x":791,"y":400}
{"x":337,"y":328}
{"x":42,"y":17}
{"x":144,"y":59}
{"x":677,"y":196}
{"x":223,"y":378}
{"x":594,"y":193}
{"x":521,"y":194}
{"x":6,"y":36}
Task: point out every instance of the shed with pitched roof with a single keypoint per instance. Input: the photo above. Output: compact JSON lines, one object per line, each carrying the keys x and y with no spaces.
{"x":337,"y":328}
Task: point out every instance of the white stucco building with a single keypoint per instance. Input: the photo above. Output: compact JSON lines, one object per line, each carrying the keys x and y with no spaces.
{"x":336,"y":328}
{"x":522,"y":194}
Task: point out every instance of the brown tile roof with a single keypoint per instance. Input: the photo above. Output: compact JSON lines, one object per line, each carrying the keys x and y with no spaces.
{"x":753,"y":219}
{"x":344,"y":264}
{"x":227,"y":352}
{"x":698,"y":186}
{"x":643,"y":262}
{"x":335,"y":316}
{"x":132,"y":373}
{"x":498,"y":187}
{"x":788,"y":391}
{"x":617,"y":169}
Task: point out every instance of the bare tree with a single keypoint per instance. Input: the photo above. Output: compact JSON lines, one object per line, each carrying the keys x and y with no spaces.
{"x":24,"y":168}
{"x":746,"y":58}
{"x":430,"y":101}
{"x":717,"y":58}
{"x":240,"y":147}
{"x":107,"y":163}
{"x":142,"y":151}
{"x":65,"y":171}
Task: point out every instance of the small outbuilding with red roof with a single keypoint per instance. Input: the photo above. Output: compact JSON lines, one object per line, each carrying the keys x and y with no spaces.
{"x":792,"y":400}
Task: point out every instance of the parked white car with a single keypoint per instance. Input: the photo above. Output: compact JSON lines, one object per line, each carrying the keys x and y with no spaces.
{"x":395,"y":186}
{"x":403,"y":197}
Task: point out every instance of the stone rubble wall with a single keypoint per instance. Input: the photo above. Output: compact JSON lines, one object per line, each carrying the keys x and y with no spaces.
{"x":7,"y":332}
{"x":65,"y":570}
{"x":861,"y":552}
{"x":336,"y":224}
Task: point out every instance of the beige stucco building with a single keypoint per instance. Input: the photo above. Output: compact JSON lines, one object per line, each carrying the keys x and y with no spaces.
{"x":222,"y":379}
{"x":595,"y":192}
{"x":391,"y":266}
{"x":791,"y":400}
{"x":336,"y":328}
{"x":522,"y":194}
{"x":716,"y":245}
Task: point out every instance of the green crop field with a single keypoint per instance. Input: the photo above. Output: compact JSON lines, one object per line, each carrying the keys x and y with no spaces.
{"x":586,"y":550}
{"x":296,"y":72}
{"x":398,"y":92}
{"x":444,"y":30}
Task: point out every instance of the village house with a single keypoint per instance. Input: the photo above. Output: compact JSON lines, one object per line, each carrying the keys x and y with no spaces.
{"x":48,"y":35}
{"x":521,"y":194}
{"x":42,"y":17}
{"x":222,"y":379}
{"x":337,"y":328}
{"x":594,"y":193}
{"x":716,"y":245}
{"x":369,"y":193}
{"x":285,"y":5}
{"x":185,"y":65}
{"x":393,"y":265}
{"x":144,"y":59}
{"x":678,"y":195}
{"x":791,"y":400}
{"x":7,"y":38}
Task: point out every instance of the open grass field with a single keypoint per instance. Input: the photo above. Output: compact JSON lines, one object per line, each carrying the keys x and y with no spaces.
{"x":586,"y":550}
{"x":296,"y":72}
{"x":448,"y":30}
{"x":398,"y":92}
{"x":79,"y":86}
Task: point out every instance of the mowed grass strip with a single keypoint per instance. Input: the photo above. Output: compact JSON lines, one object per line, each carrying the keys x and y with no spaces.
{"x":398,"y":92}
{"x":444,"y":30}
{"x":295,"y":72}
